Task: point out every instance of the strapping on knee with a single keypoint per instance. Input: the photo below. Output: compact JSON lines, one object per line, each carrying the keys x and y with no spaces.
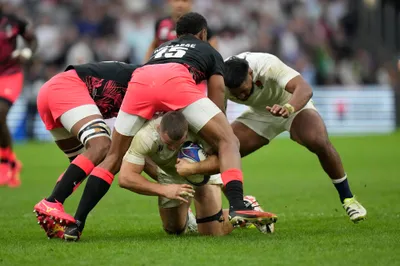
{"x":216,"y":217}
{"x":94,"y":129}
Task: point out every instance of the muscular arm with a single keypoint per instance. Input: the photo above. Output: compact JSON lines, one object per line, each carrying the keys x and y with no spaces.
{"x":209,"y":166}
{"x":130,"y":178}
{"x":150,"y":168}
{"x":301,"y":92}
{"x":216,"y":91}
{"x":134,"y":163}
{"x":288,"y":79}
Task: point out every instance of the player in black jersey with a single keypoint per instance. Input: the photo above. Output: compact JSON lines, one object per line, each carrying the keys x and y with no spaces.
{"x":73,"y":106}
{"x":165,"y":27}
{"x":168,"y":82}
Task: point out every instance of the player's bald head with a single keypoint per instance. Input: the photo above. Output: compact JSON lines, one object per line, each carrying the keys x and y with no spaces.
{"x":191,"y":23}
{"x":175,"y":125}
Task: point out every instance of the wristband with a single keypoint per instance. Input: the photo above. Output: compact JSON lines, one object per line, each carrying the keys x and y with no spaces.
{"x":289,"y":108}
{"x":26,"y":53}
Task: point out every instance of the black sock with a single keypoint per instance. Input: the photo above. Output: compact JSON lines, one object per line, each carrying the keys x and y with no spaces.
{"x":234,"y":193}
{"x":64,"y":188}
{"x":343,"y":189}
{"x":95,"y":189}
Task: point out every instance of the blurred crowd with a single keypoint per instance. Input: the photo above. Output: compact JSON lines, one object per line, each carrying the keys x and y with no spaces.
{"x":313,"y":36}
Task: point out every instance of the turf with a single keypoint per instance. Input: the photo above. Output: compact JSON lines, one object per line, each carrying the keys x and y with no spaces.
{"x":124,"y":229}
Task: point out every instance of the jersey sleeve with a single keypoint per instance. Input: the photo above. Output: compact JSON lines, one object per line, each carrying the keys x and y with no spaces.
{"x":273,"y":68}
{"x":140,"y":147}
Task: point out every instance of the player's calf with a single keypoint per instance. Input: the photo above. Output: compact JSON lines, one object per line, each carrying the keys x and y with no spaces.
{"x":210,"y":218}
{"x":95,"y":137}
{"x":308,"y":129}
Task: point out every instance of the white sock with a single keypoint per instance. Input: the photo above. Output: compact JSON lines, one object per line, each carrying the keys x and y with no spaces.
{"x":338,"y":181}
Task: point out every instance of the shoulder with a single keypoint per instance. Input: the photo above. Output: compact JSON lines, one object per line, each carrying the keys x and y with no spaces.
{"x":144,"y":141}
{"x":207,"y":48}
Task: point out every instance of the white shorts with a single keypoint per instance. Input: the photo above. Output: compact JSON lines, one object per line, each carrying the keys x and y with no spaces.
{"x":267,"y":125}
{"x":197,"y":114}
{"x":70,"y":118}
{"x":164,"y":178}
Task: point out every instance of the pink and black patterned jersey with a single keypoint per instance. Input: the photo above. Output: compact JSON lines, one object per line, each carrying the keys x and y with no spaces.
{"x":107,"y":83}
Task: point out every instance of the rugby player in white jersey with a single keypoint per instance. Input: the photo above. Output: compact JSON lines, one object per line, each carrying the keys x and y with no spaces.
{"x":159,"y":141}
{"x":279,"y":100}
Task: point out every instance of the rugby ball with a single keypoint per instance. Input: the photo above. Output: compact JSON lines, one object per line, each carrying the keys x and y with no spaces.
{"x":193,"y":152}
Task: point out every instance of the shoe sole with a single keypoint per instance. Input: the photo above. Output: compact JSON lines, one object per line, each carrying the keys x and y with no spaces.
{"x":49,"y":222}
{"x":237,"y":220}
{"x":60,"y":221}
{"x":48,"y":226}
{"x":70,"y":238}
{"x":359,"y":219}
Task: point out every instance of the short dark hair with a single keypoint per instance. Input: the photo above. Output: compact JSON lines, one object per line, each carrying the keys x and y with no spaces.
{"x":235,"y":72}
{"x":190,"y":23}
{"x":174,"y":124}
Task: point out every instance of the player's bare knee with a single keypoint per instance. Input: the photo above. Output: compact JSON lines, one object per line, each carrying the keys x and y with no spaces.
{"x":96,"y":137}
{"x":173,"y":230}
{"x":319,"y":145}
{"x":97,"y":149}
{"x":175,"y":226}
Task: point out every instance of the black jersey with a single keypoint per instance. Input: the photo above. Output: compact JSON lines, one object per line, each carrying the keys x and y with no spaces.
{"x":107,"y":83}
{"x":199,"y":57}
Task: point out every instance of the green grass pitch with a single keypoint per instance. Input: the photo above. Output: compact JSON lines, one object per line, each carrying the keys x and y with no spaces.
{"x":313,"y":229}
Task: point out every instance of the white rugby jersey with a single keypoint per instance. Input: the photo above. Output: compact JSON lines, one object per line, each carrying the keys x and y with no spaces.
{"x":147,"y":142}
{"x":270,"y":76}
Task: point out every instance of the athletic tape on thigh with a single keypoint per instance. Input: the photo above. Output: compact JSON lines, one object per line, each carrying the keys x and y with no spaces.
{"x":216,"y":217}
{"x":72,"y":153}
{"x":94,"y":129}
